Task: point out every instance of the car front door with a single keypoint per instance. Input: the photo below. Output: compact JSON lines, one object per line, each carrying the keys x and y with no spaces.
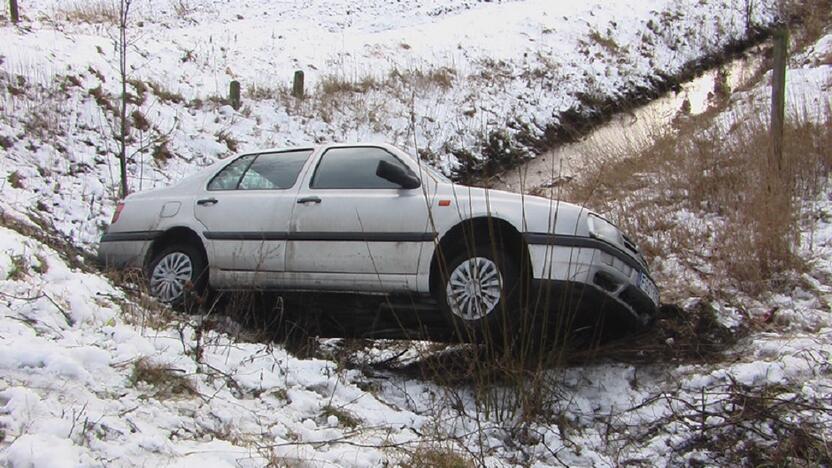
{"x":246,"y":210}
{"x":348,"y":220}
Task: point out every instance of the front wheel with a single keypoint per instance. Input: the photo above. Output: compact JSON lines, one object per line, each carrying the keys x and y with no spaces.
{"x":175,"y":272}
{"x":479,"y":294}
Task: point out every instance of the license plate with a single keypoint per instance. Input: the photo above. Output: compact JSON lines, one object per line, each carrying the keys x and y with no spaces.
{"x":649,"y":287}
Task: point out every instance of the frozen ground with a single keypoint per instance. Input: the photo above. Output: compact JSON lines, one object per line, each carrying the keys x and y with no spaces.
{"x":91,"y":374}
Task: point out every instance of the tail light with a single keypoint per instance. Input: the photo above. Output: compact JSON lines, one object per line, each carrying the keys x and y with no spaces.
{"x":117,"y":213}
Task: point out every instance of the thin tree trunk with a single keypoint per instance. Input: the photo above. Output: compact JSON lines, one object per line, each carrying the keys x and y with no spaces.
{"x":124,"y":11}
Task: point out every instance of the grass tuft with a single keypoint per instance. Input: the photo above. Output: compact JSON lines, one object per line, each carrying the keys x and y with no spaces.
{"x":437,"y":457}
{"x":224,"y":136}
{"x":345,"y":418}
{"x":15,"y":180}
{"x":88,"y":11}
{"x":167,"y":382}
{"x":19,"y":269}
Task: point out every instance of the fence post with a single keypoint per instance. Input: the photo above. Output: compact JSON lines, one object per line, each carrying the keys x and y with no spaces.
{"x":15,"y":14}
{"x":297,"y":84}
{"x":778,"y":99}
{"x":234,"y":94}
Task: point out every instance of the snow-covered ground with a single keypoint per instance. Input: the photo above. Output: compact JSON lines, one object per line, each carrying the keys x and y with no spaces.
{"x":91,"y":374}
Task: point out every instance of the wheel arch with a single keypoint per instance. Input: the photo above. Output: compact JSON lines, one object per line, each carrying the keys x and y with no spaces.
{"x":172,"y":236}
{"x":467,"y":234}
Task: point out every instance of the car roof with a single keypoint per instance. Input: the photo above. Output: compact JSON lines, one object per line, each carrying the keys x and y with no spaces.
{"x":317,"y":146}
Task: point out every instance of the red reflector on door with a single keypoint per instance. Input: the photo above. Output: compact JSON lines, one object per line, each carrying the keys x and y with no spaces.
{"x":444,"y":203}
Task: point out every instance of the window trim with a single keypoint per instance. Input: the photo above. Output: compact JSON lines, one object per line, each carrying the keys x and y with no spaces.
{"x":321,"y":159}
{"x":248,"y":166}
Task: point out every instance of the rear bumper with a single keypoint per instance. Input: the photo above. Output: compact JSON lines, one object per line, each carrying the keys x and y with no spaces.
{"x":124,"y":250}
{"x":587,"y":276}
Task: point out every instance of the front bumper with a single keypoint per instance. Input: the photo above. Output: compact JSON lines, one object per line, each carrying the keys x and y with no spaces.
{"x":587,"y":275}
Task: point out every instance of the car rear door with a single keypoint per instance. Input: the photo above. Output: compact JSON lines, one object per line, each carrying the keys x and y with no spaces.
{"x":349,"y":220}
{"x":246,"y":208}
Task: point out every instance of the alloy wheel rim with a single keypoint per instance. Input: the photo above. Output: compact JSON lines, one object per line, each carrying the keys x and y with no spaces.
{"x":169,"y":277}
{"x":474,"y":288}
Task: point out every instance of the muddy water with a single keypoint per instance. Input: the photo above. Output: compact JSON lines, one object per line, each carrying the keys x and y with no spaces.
{"x":631,"y":131}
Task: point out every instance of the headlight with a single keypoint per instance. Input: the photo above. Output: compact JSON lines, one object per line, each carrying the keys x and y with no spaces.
{"x":604,"y":230}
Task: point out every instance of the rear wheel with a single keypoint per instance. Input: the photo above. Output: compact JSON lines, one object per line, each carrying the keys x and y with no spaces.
{"x":480,"y":294}
{"x":177,"y":272}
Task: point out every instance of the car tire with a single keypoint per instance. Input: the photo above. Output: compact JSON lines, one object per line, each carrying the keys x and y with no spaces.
{"x":477,"y":309}
{"x":178,"y":275}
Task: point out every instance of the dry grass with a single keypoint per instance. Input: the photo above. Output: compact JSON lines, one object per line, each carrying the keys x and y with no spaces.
{"x":605,"y":41}
{"x":345,"y":418}
{"x":182,"y":8}
{"x":19,"y":269}
{"x":436,"y":457}
{"x":88,"y":11}
{"x":224,"y":136}
{"x":164,"y":94}
{"x":140,"y":309}
{"x":740,"y":425}
{"x":167,"y":382}
{"x":335,"y":84}
{"x":708,"y":198}
{"x":15,"y":180}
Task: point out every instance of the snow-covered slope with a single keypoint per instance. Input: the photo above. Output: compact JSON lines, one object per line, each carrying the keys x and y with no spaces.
{"x":92,"y":374}
{"x":434,"y":77}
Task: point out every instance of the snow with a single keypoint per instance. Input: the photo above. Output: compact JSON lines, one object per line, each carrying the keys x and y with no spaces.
{"x":71,"y":338}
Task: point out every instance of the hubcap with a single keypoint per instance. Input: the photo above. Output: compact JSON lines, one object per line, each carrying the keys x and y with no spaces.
{"x":474,"y":288}
{"x":169,"y":277}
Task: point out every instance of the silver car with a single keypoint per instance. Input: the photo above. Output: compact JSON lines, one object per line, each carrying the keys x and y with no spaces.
{"x":370,"y":219}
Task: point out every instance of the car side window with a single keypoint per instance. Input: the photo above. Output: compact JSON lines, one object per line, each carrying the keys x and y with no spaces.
{"x":353,"y":168}
{"x":229,"y":177}
{"x":274,"y":171}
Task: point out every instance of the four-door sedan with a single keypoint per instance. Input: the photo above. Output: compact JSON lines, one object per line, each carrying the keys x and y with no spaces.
{"x":370,"y":219}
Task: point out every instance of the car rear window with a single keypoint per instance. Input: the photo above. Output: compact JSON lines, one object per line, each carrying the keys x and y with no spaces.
{"x":274,"y":171}
{"x":353,"y":168}
{"x":267,"y":171}
{"x":228,"y":178}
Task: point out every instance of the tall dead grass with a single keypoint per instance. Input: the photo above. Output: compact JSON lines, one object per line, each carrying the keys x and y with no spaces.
{"x":705,"y":196}
{"x":88,"y":11}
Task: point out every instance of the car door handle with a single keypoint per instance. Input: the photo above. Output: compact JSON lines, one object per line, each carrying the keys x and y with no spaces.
{"x":207,"y":202}
{"x":311,"y":199}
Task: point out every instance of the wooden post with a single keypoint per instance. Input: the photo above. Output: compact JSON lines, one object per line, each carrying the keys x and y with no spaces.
{"x":234,"y":94}
{"x":15,"y":14}
{"x":297,"y":85}
{"x":778,"y":99}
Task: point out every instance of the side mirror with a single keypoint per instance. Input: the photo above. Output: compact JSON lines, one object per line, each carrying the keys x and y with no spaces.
{"x":397,"y":175}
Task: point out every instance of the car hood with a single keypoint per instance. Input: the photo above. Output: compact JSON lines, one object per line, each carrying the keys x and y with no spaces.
{"x":532,"y":213}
